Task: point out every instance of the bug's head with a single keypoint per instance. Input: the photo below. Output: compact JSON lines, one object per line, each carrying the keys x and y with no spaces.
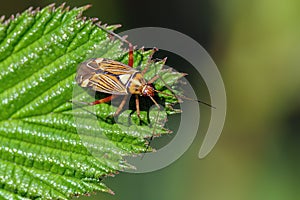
{"x":148,"y":90}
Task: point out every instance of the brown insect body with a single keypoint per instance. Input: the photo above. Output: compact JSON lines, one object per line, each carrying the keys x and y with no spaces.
{"x":116,"y":78}
{"x":112,"y":77}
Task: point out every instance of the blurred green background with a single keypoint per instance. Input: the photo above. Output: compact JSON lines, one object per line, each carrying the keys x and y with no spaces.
{"x":256,"y":46}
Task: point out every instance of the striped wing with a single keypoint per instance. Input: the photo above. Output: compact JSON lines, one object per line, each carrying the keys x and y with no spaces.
{"x":104,"y":75}
{"x":108,"y":84}
{"x":114,"y":67}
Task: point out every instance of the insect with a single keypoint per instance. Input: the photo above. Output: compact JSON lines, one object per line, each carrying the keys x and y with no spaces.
{"x":116,"y":78}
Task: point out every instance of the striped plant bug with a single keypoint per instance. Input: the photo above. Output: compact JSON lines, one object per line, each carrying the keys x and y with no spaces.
{"x":116,"y":78}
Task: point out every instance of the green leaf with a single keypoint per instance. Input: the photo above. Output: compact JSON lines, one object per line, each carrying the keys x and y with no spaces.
{"x":50,"y":148}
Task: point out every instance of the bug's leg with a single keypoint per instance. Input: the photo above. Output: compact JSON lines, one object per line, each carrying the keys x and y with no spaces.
{"x":154,"y":102}
{"x":104,"y":100}
{"x":131,"y":48}
{"x":149,"y":61}
{"x":137,"y":104}
{"x":130,"y":55}
{"x":121,"y":105}
{"x":152,"y":80}
{"x":153,"y":133}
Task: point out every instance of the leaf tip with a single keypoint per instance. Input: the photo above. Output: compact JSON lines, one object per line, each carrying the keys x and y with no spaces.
{"x":94,"y":19}
{"x":67,"y":9}
{"x":153,"y":150}
{"x":164,"y":60}
{"x":83,"y":18}
{"x":115,"y":26}
{"x":12,"y":17}
{"x":51,"y":6}
{"x":29,"y":10}
{"x":62,"y":6}
{"x":32,"y":12}
{"x":2,"y":18}
{"x":110,"y":192}
{"x":142,"y":49}
{"x":86,"y":7}
{"x":184,"y":74}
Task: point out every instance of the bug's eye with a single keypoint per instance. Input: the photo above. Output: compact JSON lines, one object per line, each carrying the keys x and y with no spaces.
{"x":148,"y":91}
